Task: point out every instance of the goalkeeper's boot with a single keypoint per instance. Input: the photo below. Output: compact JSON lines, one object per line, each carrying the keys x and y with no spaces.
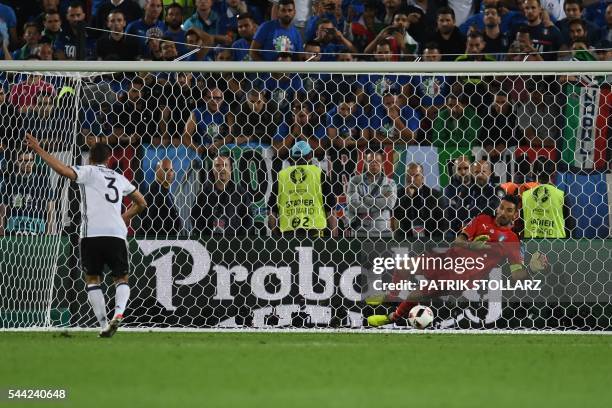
{"x":378,"y":320}
{"x":111,"y":327}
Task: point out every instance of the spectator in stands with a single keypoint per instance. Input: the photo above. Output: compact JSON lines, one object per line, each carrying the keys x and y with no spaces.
{"x":458,"y":194}
{"x":523,"y":51}
{"x":207,"y":128}
{"x":152,"y":50}
{"x":327,"y":9}
{"x":393,"y":122}
{"x":498,"y":127}
{"x":161,"y":217}
{"x":545,"y":37}
{"x":46,"y":120}
{"x":277,"y":36}
{"x":136,"y":117}
{"x":301,"y":124}
{"x":372,"y":196}
{"x":9,"y":20}
{"x":391,"y":36}
{"x":75,"y":42}
{"x":117,"y":46}
{"x":174,"y":22}
{"x":456,"y":125}
{"x":25,"y":93}
{"x":222,"y":54}
{"x":44,"y":50}
{"x":283,"y":89}
{"x":254,"y":120}
{"x":573,"y":11}
{"x":428,"y":92}
{"x":152,"y":18}
{"x":363,"y":31}
{"x":538,"y":117}
{"x":130,"y":9}
{"x":331,"y":40}
{"x":578,"y":30}
{"x":31,"y":36}
{"x":27,"y":206}
{"x":312,"y":51}
{"x":375,"y":86}
{"x":302,"y":201}
{"x":46,"y":7}
{"x":52,"y":26}
{"x":496,"y":40}
{"x":391,"y":7}
{"x":246,"y":27}
{"x":420,"y":209}
{"x":345,"y":125}
{"x":482,"y":193}
{"x":195,"y":39}
{"x":448,"y":37}
{"x":223,"y":206}
{"x":406,"y":20}
{"x":168,"y":49}
{"x":97,"y":124}
{"x":228,"y":21}
{"x":510,"y":19}
{"x":206,"y":19}
{"x":474,"y":48}
{"x":180,"y":96}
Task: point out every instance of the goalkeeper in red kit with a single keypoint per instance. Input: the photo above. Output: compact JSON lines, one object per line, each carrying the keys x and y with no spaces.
{"x":490,"y":239}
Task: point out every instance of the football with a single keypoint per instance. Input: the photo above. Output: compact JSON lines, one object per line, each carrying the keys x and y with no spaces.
{"x":420,"y":317}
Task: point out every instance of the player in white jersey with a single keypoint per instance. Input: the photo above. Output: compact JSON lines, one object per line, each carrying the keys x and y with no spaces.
{"x":103,"y":227}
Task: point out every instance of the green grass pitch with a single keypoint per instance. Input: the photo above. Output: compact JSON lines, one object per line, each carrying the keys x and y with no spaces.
{"x":310,"y":370}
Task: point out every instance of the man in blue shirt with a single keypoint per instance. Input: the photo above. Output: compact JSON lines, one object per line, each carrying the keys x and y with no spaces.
{"x":510,"y":19}
{"x":74,"y":42}
{"x":332,"y":40}
{"x":246,"y":30}
{"x":545,"y":39}
{"x":393,"y":122}
{"x":7,"y":14}
{"x":207,"y":20}
{"x":151,"y":19}
{"x":278,"y":35}
{"x":374,"y":86}
{"x":174,"y":20}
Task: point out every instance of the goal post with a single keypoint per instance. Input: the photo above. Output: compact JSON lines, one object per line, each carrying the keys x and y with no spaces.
{"x":409,"y":152}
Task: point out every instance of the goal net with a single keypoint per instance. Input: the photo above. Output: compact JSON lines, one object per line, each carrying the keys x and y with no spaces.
{"x":228,"y":157}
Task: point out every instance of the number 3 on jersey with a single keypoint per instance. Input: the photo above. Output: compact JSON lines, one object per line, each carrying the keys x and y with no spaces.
{"x":111,"y":185}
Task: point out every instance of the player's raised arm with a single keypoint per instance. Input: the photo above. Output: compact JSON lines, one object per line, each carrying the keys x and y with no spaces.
{"x":57,"y":166}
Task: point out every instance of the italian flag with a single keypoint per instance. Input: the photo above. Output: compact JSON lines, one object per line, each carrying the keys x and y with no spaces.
{"x":586,"y":127}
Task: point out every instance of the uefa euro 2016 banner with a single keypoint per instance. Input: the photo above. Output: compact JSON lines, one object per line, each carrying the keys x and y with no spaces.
{"x":268,"y":283}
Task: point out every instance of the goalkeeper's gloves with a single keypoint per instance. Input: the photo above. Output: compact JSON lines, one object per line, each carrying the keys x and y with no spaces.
{"x":538,"y":262}
{"x":480,"y":242}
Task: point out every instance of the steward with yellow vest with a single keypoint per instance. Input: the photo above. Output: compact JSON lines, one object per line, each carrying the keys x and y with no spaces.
{"x":544,"y":209}
{"x":302,"y":201}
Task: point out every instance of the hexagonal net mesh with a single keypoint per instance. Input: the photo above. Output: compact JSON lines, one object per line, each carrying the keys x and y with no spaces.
{"x":271,"y":194}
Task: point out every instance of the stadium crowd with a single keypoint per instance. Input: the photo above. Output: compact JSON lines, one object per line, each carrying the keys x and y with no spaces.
{"x":159,"y":124}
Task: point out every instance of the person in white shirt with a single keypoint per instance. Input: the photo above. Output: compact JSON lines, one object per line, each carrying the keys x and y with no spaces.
{"x":103,"y":227}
